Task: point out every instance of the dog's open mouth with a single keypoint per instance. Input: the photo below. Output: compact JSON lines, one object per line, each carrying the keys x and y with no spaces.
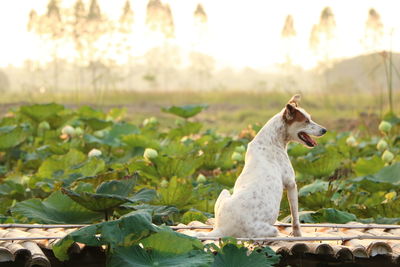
{"x":307,"y":139}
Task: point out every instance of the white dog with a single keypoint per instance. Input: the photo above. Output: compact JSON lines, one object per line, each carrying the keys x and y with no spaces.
{"x":253,"y":207}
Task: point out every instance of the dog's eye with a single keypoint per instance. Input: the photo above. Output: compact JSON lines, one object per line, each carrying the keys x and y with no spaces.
{"x":307,"y":121}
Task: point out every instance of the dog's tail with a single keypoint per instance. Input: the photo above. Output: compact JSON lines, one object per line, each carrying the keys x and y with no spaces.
{"x":223,"y":195}
{"x":216,"y":232}
{"x":213,"y":233}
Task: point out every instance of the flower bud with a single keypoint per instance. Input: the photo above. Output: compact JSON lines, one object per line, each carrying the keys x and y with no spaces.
{"x":351,"y":141}
{"x":44,"y":125}
{"x":68,"y":130}
{"x":236,"y":156}
{"x":78,"y":131}
{"x":387,"y":156}
{"x":382,"y":145}
{"x":385,"y":126}
{"x":94,"y":153}
{"x":150,"y":153}
{"x":150,"y":121}
{"x":201,"y":178}
{"x":164,"y":183}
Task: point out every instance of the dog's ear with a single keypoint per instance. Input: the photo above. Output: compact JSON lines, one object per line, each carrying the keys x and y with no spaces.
{"x":290,"y":112}
{"x":295,"y":100}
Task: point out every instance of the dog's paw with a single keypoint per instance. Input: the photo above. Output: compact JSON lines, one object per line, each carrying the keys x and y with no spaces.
{"x":296,"y":233}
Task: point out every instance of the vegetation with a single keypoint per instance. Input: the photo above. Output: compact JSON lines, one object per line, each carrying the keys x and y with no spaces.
{"x":229,"y":111}
{"x":60,"y":165}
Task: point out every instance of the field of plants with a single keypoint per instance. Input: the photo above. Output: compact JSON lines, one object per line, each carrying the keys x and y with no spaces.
{"x":129,"y":182}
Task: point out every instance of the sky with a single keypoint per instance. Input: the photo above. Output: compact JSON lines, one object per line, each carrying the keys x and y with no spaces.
{"x":240,"y":33}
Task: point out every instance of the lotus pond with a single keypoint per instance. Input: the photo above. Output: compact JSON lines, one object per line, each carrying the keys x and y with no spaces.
{"x":129,"y":182}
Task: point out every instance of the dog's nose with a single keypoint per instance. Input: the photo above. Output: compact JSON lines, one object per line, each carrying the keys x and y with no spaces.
{"x":323,"y":131}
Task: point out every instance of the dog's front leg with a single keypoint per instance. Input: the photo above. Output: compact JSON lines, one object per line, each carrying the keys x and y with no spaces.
{"x":294,"y":209}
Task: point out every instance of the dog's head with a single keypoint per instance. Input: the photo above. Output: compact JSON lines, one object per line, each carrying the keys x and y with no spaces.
{"x":300,"y":127}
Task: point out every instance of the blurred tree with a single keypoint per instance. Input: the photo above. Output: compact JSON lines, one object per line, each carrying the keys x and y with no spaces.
{"x":288,"y":34}
{"x":160,"y":22}
{"x":159,"y":18}
{"x":373,"y":32}
{"x":126,"y":19}
{"x":78,"y":30}
{"x":52,"y":29}
{"x":200,"y":25}
{"x":288,"y":30}
{"x":89,"y":28}
{"x":327,"y":23}
{"x":200,"y":15}
{"x":124,"y":44}
{"x":321,"y":41}
{"x":202,"y":64}
{"x":322,"y":34}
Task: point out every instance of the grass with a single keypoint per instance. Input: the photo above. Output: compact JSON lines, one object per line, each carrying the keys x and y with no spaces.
{"x":229,"y":111}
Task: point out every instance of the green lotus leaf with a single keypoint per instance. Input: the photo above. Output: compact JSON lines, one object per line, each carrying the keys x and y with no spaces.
{"x":160,"y":214}
{"x":170,"y":166}
{"x":316,"y":186}
{"x":232,"y":256}
{"x":319,"y":165}
{"x":193,"y":215}
{"x":157,"y":251}
{"x":11,"y":136}
{"x":138,"y":257}
{"x":57,"y":208}
{"x":113,"y":137}
{"x":138,"y":140}
{"x":109,"y":195}
{"x":161,"y":242}
{"x":389,"y":174}
{"x":178,"y":193}
{"x":96,"y":124}
{"x":89,"y":112}
{"x":328,"y":215}
{"x":383,"y":180}
{"x":366,"y":166}
{"x":105,"y":176}
{"x":143,"y":195}
{"x":116,"y":187}
{"x":126,"y":231}
{"x":187,"y":128}
{"x":95,"y":202}
{"x":41,"y":112}
{"x":186,"y":111}
{"x":72,"y":165}
{"x":12,"y":190}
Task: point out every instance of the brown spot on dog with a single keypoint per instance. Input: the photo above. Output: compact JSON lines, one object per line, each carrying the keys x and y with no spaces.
{"x":292,"y":114}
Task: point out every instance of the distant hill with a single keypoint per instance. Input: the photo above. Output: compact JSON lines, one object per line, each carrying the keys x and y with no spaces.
{"x":363,"y":73}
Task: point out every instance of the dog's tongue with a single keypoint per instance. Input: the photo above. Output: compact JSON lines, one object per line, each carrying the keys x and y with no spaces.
{"x":309,"y":139}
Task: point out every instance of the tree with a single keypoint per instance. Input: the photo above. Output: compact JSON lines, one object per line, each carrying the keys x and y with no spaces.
{"x":373,"y":31}
{"x":52,"y":29}
{"x":200,"y":15}
{"x":124,"y":45}
{"x":159,"y":18}
{"x":288,"y":30}
{"x":322,"y":34}
{"x":88,"y":29}
{"x":288,"y":34}
{"x":202,"y":64}
{"x":321,"y":41}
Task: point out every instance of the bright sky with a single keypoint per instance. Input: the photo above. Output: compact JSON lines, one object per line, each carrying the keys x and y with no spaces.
{"x":241,"y":33}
